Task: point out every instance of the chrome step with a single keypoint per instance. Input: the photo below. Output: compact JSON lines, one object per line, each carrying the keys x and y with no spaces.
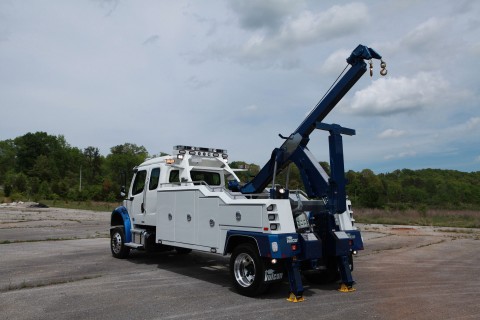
{"x":134,"y":245}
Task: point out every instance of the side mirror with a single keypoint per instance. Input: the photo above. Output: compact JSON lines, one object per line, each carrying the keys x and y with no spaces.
{"x":123,"y":192}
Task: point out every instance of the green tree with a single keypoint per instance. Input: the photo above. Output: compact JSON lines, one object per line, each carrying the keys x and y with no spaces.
{"x":30,"y":146}
{"x":92,"y":168}
{"x":7,"y":159}
{"x":121,"y":160}
{"x":45,"y":168}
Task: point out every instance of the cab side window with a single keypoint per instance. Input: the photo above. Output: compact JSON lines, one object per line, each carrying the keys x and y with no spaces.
{"x":210,"y":178}
{"x":174,"y":176}
{"x":139,"y":182}
{"x":154,"y":178}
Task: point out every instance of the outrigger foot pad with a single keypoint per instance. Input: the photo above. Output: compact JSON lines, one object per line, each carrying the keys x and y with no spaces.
{"x":294,"y":298}
{"x":345,"y":288}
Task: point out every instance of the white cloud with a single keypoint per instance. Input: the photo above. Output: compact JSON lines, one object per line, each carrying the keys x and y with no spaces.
{"x":278,"y":35}
{"x":473,"y":123}
{"x":403,"y":154}
{"x":258,"y":65}
{"x":262,"y":14}
{"x":195,"y":83}
{"x":391,"y":133}
{"x":426,"y":34}
{"x":151,"y":40}
{"x":335,"y":62}
{"x":251,"y":108}
{"x":310,"y":27}
{"x":402,"y":94}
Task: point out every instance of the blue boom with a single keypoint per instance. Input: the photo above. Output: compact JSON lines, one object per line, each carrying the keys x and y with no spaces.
{"x":337,"y":246}
{"x":316,"y":181}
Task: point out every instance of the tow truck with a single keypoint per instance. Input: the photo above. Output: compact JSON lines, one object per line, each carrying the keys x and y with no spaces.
{"x":193,"y":200}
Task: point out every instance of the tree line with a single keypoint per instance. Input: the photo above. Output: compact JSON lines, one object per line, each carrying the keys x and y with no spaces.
{"x":40,"y":166}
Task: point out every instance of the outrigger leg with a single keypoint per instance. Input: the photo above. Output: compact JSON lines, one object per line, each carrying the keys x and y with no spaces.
{"x":346,"y":274}
{"x":295,"y":279}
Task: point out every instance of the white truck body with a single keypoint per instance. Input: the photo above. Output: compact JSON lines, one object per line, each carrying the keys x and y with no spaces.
{"x":194,"y":214}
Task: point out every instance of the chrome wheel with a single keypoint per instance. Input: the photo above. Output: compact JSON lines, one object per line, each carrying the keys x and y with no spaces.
{"x":244,"y":270}
{"x":247,"y":270}
{"x":116,"y":243}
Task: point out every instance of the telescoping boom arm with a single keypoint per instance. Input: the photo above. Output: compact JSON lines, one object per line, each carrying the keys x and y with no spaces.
{"x":294,"y":149}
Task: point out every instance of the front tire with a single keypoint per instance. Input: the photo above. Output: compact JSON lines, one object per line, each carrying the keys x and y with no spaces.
{"x":117,"y":243}
{"x":247,"y":270}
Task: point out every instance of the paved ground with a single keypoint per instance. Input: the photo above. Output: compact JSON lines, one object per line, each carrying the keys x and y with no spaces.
{"x":404,"y":273}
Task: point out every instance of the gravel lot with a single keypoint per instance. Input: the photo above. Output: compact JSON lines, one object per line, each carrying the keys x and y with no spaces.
{"x":56,"y":264}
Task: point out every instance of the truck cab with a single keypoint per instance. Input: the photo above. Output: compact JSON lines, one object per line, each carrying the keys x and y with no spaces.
{"x":187,"y":167}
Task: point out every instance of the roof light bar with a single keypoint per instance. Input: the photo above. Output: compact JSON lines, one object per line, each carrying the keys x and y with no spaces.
{"x":202,"y":149}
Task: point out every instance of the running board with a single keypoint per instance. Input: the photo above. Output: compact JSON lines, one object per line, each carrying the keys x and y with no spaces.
{"x":134,"y":245}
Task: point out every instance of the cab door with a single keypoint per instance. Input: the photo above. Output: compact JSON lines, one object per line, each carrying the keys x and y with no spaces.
{"x":137,"y":197}
{"x":151,"y":192}
{"x":150,"y":203}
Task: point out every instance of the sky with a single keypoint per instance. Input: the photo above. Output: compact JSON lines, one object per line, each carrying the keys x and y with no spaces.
{"x":234,"y":74}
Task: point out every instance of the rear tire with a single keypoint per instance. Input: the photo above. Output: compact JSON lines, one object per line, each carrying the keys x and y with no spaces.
{"x":247,"y":270}
{"x":117,"y":243}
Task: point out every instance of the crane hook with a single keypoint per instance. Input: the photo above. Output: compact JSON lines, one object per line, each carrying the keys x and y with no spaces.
{"x":371,"y":68}
{"x":383,"y":65}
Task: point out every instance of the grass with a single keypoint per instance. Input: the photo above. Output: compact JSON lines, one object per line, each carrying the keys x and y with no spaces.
{"x":434,"y":217}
